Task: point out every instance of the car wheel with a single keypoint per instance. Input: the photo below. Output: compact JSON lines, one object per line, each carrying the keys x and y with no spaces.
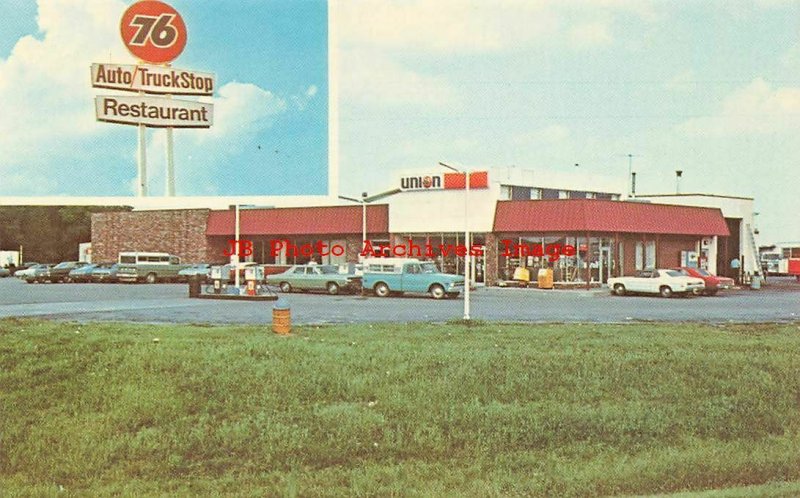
{"x":150,"y":278}
{"x":665,"y":291}
{"x":286,"y":287}
{"x":437,"y":291}
{"x":333,"y":288}
{"x":619,"y":289}
{"x":66,"y":280}
{"x":382,"y":290}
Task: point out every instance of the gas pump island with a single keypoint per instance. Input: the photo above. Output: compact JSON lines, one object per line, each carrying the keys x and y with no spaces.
{"x":223,"y":285}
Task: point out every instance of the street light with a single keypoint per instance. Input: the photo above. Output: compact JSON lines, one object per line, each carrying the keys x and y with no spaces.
{"x":366,"y":199}
{"x":467,"y":259}
{"x":363,"y":202}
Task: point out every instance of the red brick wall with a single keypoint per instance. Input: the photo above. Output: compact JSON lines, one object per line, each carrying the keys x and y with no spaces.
{"x":180,"y":232}
{"x":668,"y":252}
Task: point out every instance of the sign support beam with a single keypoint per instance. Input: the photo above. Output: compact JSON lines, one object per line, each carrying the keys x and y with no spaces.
{"x":142,"y":162}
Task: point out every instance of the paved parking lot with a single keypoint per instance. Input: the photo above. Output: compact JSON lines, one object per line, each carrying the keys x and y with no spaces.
{"x":170,"y":303}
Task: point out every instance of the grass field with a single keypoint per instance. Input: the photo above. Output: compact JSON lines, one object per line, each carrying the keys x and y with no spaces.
{"x":399,"y":410}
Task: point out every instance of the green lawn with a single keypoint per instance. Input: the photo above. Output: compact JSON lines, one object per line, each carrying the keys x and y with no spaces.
{"x":403,"y":410}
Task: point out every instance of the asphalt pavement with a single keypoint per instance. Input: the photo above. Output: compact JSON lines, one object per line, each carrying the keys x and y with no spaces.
{"x":169,"y":303}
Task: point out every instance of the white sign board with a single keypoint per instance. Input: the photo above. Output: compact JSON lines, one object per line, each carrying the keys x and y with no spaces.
{"x":155,"y":112}
{"x":152,"y":79}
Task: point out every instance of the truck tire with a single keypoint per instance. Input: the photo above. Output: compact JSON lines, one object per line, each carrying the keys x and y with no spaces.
{"x":150,"y":278}
{"x":437,"y":291}
{"x":381,"y":290}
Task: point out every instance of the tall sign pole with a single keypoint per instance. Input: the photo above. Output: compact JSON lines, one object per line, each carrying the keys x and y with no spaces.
{"x":141,"y":162}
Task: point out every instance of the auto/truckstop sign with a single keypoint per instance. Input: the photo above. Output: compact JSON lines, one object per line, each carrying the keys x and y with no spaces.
{"x":154,"y":32}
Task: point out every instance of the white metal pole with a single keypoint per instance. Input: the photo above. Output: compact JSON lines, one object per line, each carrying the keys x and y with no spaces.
{"x":363,"y":225}
{"x":169,"y":189}
{"x":235,"y":255}
{"x":170,"y":176}
{"x":142,"y":163}
{"x":466,"y":241}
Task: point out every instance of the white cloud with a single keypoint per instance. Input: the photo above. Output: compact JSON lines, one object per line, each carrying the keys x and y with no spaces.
{"x":754,"y":109}
{"x":590,"y":35}
{"x":542,"y":136}
{"x":682,"y":82}
{"x":368,"y":78}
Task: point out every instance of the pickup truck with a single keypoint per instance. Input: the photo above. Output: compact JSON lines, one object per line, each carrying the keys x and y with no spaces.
{"x":386,"y":276}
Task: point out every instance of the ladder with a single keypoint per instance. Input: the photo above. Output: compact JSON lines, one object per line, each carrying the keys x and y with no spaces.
{"x":754,"y":249}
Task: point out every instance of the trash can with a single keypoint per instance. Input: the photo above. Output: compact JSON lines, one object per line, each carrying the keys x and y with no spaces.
{"x":545,"y":278}
{"x":281,"y":317}
{"x":522,"y":275}
{"x":194,"y":286}
{"x":755,"y":282}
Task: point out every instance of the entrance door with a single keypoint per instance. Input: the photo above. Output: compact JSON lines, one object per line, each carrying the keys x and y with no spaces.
{"x":605,"y":264}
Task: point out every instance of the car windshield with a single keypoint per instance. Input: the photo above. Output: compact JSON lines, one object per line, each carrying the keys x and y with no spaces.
{"x":674,"y":273}
{"x":62,"y":265}
{"x":703,"y":273}
{"x":429,"y":268}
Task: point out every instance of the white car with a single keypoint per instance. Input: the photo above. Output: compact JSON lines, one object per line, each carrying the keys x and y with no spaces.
{"x":664,"y":282}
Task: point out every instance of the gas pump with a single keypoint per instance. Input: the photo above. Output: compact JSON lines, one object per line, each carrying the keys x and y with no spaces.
{"x":252,"y":276}
{"x":217,"y":278}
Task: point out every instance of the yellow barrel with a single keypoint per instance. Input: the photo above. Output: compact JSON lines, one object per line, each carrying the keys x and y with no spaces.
{"x":281,"y":321}
{"x":545,"y":278}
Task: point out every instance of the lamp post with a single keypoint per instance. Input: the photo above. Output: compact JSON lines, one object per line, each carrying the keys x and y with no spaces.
{"x":467,"y":258}
{"x":363,"y":202}
{"x":235,"y":255}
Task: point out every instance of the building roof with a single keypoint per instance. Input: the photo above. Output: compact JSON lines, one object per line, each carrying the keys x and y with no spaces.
{"x":594,"y":215}
{"x":719,"y":196}
{"x":318,"y":220}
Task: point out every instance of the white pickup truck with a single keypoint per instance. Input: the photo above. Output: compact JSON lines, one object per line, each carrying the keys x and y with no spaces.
{"x":663,"y":282}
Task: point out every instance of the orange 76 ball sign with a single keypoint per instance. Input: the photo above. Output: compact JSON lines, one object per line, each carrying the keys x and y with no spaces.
{"x":153,"y":31}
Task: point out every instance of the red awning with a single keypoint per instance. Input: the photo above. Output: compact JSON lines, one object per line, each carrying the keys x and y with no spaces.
{"x":320,"y":220}
{"x":595,"y":215}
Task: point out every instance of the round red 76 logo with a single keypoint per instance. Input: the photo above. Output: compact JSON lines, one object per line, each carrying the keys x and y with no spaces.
{"x":153,"y":31}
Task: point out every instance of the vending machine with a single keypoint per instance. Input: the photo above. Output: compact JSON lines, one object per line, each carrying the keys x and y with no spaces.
{"x":689,"y":259}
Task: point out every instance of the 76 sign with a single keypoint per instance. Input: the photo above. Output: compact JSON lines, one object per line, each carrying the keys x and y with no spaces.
{"x":153,"y":31}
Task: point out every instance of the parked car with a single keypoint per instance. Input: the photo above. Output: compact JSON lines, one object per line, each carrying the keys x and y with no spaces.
{"x":5,"y":272}
{"x":314,"y":277}
{"x":25,"y":266}
{"x":26,"y":270}
{"x":203,"y":270}
{"x":81,"y":274}
{"x":38,"y":273}
{"x":663,"y":282}
{"x":60,"y":272}
{"x":712,"y":282}
{"x":105,"y":272}
{"x":385,"y":276}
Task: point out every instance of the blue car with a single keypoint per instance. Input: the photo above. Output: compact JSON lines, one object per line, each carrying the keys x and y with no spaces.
{"x":82,"y":275}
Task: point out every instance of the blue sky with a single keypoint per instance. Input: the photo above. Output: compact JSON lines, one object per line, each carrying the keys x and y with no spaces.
{"x":270,"y":134}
